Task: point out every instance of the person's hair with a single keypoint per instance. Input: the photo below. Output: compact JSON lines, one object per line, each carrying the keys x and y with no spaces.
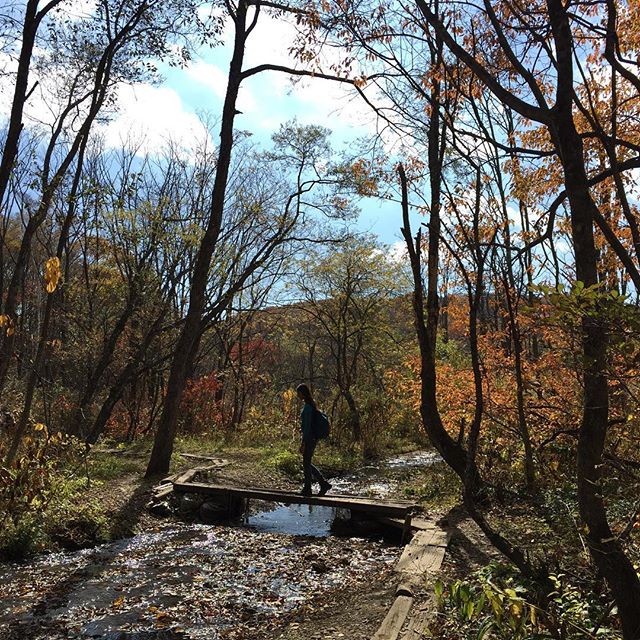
{"x":305,"y":392}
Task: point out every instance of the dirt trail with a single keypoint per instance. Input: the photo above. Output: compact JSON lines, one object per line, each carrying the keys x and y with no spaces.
{"x":174,"y":580}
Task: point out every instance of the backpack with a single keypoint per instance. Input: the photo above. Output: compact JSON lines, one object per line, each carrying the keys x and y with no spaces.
{"x":320,"y":425}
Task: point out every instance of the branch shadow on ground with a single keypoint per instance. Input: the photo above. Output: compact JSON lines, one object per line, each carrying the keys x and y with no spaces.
{"x":469,"y":548}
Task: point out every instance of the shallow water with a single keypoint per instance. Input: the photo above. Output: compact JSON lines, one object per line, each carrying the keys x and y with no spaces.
{"x":382,"y":478}
{"x":198,"y":580}
{"x":295,"y":519}
{"x":379,"y":479}
{"x":193,"y":581}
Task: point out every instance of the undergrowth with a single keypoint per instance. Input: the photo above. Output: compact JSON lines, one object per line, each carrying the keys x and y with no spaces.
{"x":41,"y":498}
{"x":497,"y":603}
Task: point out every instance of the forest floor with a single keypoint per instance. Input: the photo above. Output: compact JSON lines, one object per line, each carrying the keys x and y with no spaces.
{"x":351,"y":607}
{"x":352,"y":613}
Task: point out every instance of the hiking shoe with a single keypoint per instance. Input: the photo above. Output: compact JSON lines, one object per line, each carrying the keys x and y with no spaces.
{"x":324,"y":488}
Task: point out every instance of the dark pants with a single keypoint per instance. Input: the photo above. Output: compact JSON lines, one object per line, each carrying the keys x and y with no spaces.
{"x":311,"y":472}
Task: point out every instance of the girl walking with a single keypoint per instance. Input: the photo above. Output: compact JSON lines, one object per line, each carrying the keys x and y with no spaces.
{"x":308,"y":443}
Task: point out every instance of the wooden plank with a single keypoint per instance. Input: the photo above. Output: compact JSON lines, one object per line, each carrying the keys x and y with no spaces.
{"x":423,"y":524}
{"x":163,"y":491}
{"x":219,"y":462}
{"x":284,"y":494}
{"x":419,"y":524}
{"x":419,"y":624}
{"x":409,"y":585}
{"x":168,"y":480}
{"x":440,"y":538}
{"x":278,"y":495}
{"x":184,"y":477}
{"x":424,"y":553}
{"x":392,"y":624}
{"x":382,"y":507}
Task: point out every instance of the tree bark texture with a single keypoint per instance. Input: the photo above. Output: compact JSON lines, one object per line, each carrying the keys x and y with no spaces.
{"x":192,"y":328}
{"x":605,"y":549}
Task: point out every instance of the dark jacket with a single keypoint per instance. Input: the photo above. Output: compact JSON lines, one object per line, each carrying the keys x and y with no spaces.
{"x":306,"y":423}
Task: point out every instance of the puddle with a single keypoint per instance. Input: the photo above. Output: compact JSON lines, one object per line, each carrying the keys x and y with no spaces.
{"x":185,"y":582}
{"x":379,"y":479}
{"x":188,"y":581}
{"x":295,"y":519}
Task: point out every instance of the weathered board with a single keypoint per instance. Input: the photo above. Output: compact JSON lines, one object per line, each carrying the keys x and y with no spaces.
{"x":355,"y":503}
{"x":162,"y":492}
{"x":217,"y":462}
{"x":185,"y":477}
{"x":424,"y":553}
{"x":419,"y":624}
{"x":419,"y":524}
{"x":392,"y":624}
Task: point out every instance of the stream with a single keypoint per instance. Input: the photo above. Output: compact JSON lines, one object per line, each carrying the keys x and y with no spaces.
{"x":192,"y":581}
{"x":379,"y":479}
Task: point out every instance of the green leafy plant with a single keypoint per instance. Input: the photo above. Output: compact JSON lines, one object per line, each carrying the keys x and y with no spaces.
{"x":495,"y":603}
{"x":38,"y":494}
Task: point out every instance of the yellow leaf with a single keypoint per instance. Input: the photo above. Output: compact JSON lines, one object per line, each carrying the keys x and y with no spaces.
{"x":39,"y":426}
{"x":52,"y":274}
{"x":6,"y":321}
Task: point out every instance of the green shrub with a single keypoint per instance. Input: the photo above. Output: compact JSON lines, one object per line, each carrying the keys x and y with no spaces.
{"x":497,"y":603}
{"x":21,"y":539}
{"x":288,"y":463}
{"x":73,"y":524}
{"x":41,"y":505}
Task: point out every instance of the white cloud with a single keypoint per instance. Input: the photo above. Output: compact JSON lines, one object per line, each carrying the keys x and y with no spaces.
{"x":270,"y":42}
{"x":398,"y":251}
{"x":78,"y":9}
{"x":211,"y":77}
{"x":311,"y":100}
{"x":153,"y":116}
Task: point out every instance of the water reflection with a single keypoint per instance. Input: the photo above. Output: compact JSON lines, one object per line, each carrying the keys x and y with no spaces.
{"x":380,"y":479}
{"x":295,"y":519}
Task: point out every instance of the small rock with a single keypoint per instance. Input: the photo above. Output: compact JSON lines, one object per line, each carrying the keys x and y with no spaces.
{"x":160,"y":509}
{"x":211,"y":513}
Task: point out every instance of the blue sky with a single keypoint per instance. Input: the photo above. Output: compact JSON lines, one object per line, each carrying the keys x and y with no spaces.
{"x":267,"y":100}
{"x":150,"y":115}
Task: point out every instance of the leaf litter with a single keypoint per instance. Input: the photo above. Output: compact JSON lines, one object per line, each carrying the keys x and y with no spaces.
{"x":184,"y":581}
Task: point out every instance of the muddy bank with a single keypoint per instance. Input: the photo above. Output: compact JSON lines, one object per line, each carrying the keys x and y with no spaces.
{"x":276,"y":573}
{"x":195,"y":581}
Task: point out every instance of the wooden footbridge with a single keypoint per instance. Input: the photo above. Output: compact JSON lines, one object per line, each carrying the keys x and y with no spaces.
{"x":394,"y":512}
{"x":420,"y":561}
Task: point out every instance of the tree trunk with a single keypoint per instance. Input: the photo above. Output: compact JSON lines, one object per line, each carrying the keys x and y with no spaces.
{"x":452,"y":452}
{"x":354,"y":415}
{"x":604,"y":547}
{"x":32,"y":20}
{"x":166,"y":432}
